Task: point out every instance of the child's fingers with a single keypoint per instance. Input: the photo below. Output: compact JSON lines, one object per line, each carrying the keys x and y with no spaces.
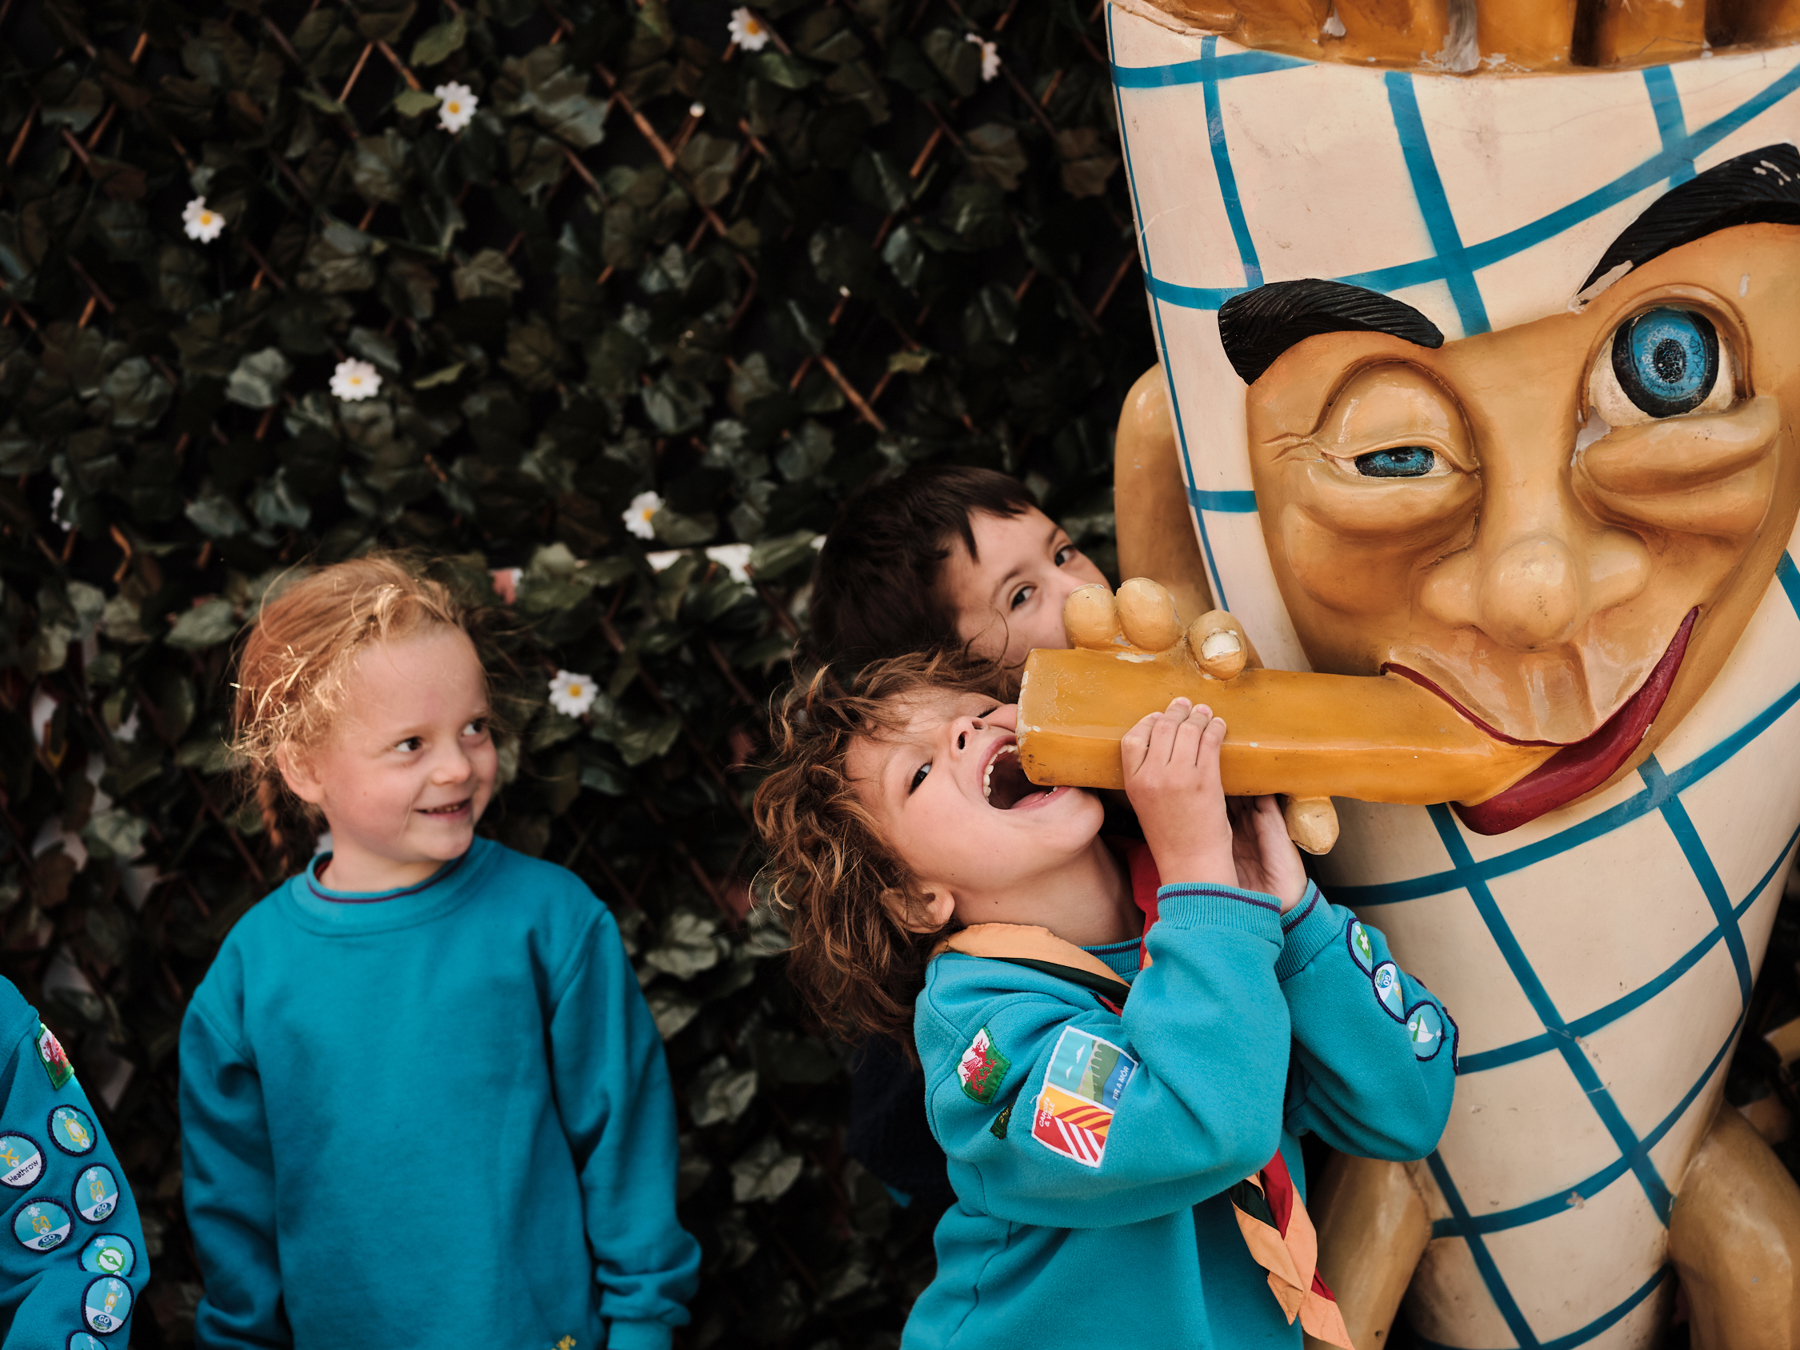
{"x":1134,"y":747}
{"x":1163,"y":733}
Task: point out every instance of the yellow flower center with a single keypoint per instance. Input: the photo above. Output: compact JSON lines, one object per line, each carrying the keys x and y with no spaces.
{"x":455,"y":108}
{"x":751,"y":27}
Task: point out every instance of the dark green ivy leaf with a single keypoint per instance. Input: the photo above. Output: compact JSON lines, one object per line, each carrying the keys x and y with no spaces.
{"x":437,"y":43}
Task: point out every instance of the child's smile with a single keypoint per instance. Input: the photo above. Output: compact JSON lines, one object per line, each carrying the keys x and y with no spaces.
{"x":410,"y":765}
{"x":951,"y":800}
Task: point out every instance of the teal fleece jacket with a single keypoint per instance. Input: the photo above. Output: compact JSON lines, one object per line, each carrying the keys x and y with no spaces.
{"x":1090,"y":1148}
{"x":436,"y":1116}
{"x":72,"y":1260}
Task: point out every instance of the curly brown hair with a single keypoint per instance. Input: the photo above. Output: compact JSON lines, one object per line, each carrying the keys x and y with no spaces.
{"x":843,"y":889}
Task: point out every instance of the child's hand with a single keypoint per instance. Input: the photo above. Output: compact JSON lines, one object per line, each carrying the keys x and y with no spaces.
{"x":1266,"y":858}
{"x":1171,"y":762}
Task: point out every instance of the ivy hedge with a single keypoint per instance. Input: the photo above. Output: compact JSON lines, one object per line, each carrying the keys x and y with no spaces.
{"x":652,"y":261}
{"x":644,"y":302}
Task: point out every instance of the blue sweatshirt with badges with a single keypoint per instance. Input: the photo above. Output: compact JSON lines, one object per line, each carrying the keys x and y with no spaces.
{"x":435,"y":1116}
{"x":72,"y":1261}
{"x":1090,"y":1148}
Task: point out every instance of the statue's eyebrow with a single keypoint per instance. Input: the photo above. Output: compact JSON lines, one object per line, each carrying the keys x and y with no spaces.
{"x":1259,"y":325}
{"x":1760,"y":186}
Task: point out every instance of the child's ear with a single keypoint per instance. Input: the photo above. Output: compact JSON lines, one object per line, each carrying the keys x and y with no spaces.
{"x":298,"y":772}
{"x":925,"y":916}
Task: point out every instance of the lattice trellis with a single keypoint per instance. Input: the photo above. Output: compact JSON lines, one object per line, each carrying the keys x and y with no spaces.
{"x":655,"y":261}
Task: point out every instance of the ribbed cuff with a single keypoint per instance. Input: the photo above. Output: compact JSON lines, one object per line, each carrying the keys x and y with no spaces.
{"x":1306,"y":930}
{"x":1202,"y":905}
{"x":638,"y":1336}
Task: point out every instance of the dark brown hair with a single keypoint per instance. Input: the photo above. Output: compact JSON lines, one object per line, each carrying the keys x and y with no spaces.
{"x":876,"y":587}
{"x":841,"y":886}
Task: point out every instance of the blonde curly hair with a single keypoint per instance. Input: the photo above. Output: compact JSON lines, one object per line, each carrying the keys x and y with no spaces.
{"x":291,"y":671}
{"x":843,"y":889}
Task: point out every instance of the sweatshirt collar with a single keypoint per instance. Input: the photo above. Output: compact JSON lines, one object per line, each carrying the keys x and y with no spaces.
{"x":325,"y":910}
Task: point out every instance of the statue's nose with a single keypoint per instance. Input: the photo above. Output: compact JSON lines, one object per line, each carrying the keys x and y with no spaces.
{"x":1530,"y":594}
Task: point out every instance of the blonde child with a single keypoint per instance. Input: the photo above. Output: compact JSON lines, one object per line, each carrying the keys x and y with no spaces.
{"x":423,"y":1102}
{"x":1119,"y":1106}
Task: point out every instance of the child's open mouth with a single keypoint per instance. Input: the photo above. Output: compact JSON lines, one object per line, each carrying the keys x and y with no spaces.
{"x":453,"y":809}
{"x":1005,"y":785}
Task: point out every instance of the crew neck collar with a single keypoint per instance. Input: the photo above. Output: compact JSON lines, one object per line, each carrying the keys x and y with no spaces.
{"x":324,"y":909}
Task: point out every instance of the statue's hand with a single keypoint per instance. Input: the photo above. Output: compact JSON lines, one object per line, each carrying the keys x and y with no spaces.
{"x":1142,"y":617}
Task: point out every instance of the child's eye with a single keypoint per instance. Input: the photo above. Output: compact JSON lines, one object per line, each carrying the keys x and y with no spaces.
{"x":918,"y":778}
{"x":1023,"y":594}
{"x":410,"y":744}
{"x":1066,"y":554}
{"x":476,"y":727}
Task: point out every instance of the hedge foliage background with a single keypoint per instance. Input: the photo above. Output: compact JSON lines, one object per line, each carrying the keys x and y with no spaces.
{"x":654,"y":262}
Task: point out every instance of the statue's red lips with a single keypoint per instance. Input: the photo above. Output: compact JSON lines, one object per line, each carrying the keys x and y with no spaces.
{"x":1577,"y":768}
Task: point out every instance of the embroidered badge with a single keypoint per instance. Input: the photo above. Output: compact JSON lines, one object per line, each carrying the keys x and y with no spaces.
{"x":96,"y":1194}
{"x":52,"y":1056}
{"x":106,"y":1304}
{"x":108,"y":1254}
{"x":1071,"y":1126}
{"x":71,"y":1130}
{"x":1425,"y":1028}
{"x":20,"y":1160}
{"x":80,"y":1340}
{"x":1387,"y":989}
{"x":1362,"y":951}
{"x":41,"y":1225}
{"x":998,"y":1128}
{"x":566,"y":1343}
{"x":1090,"y":1067}
{"x":982,"y":1068}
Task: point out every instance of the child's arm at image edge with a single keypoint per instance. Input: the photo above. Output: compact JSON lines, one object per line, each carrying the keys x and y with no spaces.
{"x":1206,"y":1027}
{"x":613,"y":1092}
{"x":228,"y":1184}
{"x":1374,"y":1050}
{"x":43,"y":1292}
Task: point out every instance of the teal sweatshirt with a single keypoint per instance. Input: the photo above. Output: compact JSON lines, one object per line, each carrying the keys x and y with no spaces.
{"x":72,"y":1261}
{"x":1090,"y":1148}
{"x":435,"y":1116}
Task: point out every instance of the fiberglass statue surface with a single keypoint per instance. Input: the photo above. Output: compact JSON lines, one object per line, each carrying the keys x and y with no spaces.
{"x":1482,"y":375}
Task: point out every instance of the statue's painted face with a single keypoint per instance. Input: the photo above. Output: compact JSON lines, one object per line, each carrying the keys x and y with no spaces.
{"x":1563,"y":526}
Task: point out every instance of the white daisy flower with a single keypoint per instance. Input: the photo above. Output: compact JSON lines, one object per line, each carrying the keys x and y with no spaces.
{"x":456,"y":106}
{"x":203,"y":223}
{"x":572,"y":694}
{"x":748,"y":31}
{"x":990,"y":57}
{"x":637,"y":515}
{"x":128,"y":729}
{"x":355,"y":380}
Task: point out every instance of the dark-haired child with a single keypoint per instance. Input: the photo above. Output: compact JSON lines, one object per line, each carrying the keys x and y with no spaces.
{"x":1119,"y":1106}
{"x":941,"y":556}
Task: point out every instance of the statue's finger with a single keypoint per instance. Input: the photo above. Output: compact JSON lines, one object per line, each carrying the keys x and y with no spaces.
{"x":1091,"y":618}
{"x":1312,"y":823}
{"x":1147,"y":614}
{"x":1219,"y":644}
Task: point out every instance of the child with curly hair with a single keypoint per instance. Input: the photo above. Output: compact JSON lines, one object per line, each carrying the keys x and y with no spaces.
{"x":422,"y":1099}
{"x":1119,"y":1051}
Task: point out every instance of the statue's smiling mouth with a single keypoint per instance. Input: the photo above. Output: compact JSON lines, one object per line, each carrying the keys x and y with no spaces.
{"x":1578,"y":768}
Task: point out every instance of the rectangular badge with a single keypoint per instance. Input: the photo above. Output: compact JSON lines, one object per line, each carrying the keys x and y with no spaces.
{"x":1090,"y":1067}
{"x":51,"y":1056}
{"x":982,"y":1068}
{"x":1070,"y":1126}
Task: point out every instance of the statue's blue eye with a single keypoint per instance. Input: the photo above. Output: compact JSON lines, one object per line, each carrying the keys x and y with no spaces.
{"x":1666,"y":360}
{"x":1403,"y":461}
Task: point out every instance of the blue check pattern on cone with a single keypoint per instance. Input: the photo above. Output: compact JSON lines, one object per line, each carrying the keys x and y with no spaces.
{"x":1583,"y":1066}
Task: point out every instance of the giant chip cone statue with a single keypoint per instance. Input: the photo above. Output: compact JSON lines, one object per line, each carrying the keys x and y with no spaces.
{"x":1479,"y":331}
